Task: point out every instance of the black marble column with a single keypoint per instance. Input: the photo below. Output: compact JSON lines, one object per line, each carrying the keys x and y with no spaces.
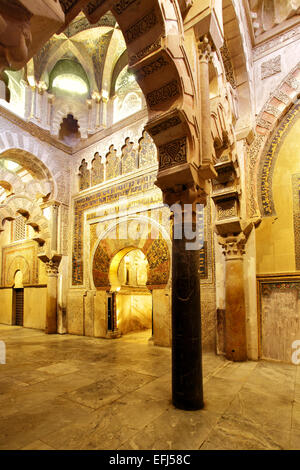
{"x":186,"y":326}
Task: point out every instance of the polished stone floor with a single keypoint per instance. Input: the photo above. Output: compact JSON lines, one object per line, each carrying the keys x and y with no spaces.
{"x":69,"y":392}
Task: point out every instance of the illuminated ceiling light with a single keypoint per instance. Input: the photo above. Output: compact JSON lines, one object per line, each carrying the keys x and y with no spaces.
{"x":12,"y":166}
{"x":70,"y":83}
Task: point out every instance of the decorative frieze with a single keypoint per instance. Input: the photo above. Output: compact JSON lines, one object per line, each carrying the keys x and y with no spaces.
{"x":172,"y":154}
{"x":281,"y":96}
{"x":165,"y":125}
{"x":264,"y":123}
{"x":67,"y":5}
{"x":92,"y":6}
{"x":227,"y":209}
{"x":293,"y":83}
{"x":122,"y":5}
{"x":144,"y":25}
{"x":145,"y":51}
{"x":228,"y":65}
{"x":152,"y":67}
{"x":268,"y":164}
{"x":296,"y":216}
{"x":271,"y":67}
{"x":165,"y":93}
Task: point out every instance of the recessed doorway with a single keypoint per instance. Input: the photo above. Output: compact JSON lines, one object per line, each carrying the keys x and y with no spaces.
{"x":18,"y":313}
{"x":130,"y":300}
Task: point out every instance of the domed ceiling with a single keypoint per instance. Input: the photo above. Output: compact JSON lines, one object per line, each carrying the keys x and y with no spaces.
{"x":96,"y":47}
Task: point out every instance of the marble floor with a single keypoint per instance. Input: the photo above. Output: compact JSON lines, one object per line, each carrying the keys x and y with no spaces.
{"x":69,"y":392}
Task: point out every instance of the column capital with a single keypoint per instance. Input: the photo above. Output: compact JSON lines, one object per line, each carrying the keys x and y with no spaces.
{"x":52,"y":203}
{"x":52,"y":263}
{"x":233,"y":246}
{"x":52,"y":268}
{"x":205,"y":48}
{"x":181,"y":194}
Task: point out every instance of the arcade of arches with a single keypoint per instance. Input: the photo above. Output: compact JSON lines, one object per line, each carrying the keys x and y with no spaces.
{"x":113,"y":113}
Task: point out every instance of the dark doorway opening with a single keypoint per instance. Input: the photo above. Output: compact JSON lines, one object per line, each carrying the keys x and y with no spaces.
{"x":19,"y":306}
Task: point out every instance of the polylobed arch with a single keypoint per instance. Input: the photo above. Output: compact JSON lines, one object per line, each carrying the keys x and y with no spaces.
{"x":63,"y":112}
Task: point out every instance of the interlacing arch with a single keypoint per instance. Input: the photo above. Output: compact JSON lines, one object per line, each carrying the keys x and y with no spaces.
{"x":11,"y":179}
{"x":35,"y":155}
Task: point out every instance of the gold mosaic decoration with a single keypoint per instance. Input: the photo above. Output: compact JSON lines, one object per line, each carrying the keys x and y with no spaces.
{"x":269,"y":161}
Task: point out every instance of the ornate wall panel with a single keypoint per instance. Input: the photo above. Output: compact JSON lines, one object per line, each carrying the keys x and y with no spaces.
{"x":279,"y":300}
{"x":113,"y":164}
{"x":147,"y":151}
{"x":21,"y":257}
{"x":269,"y":161}
{"x":97,"y":172}
{"x":296,"y":212}
{"x":105,"y":196}
{"x":129,"y":158}
{"x":84,"y":176}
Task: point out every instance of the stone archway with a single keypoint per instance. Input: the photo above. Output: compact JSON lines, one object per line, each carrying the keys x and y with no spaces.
{"x":273,"y":112}
{"x":156,"y":251}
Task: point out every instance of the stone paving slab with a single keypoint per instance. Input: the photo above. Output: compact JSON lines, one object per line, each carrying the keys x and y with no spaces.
{"x":70,"y":392}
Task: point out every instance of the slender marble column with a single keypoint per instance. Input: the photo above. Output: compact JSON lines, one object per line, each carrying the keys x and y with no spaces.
{"x":235,"y":318}
{"x":186,"y":324}
{"x":54,"y":228}
{"x":52,"y":265}
{"x":205,"y":49}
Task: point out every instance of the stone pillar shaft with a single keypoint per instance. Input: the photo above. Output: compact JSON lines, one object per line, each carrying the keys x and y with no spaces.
{"x":54,"y":234}
{"x":186,"y":326}
{"x":52,"y":263}
{"x":235,"y":317}
{"x":51,"y":309}
{"x":235,"y":320}
{"x":205,"y":57}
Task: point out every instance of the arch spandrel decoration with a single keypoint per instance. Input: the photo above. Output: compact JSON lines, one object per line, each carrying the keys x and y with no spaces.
{"x":18,"y":264}
{"x":156,"y":251}
{"x":268,"y":162}
{"x":274,"y":111}
{"x":20,"y":258}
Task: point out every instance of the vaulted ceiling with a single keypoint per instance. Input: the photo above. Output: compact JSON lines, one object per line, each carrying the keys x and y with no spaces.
{"x":97,"y":47}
